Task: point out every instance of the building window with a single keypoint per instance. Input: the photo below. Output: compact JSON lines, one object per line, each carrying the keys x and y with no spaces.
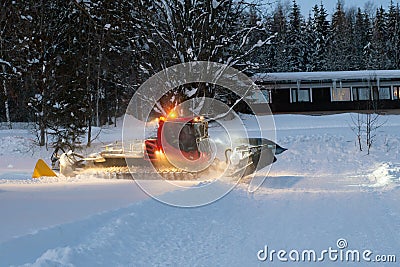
{"x":341,"y":94}
{"x":396,"y":92}
{"x":260,"y":96}
{"x":267,"y":95}
{"x":300,"y":95}
{"x":384,"y":93}
{"x":361,"y":93}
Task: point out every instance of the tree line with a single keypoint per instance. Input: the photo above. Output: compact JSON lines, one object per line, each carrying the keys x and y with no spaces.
{"x":69,"y":65}
{"x":349,"y":39}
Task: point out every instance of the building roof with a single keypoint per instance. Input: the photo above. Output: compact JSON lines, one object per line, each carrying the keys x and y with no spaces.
{"x":327,"y":75}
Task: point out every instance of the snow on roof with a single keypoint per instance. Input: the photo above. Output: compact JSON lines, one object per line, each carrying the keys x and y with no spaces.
{"x":327,"y":75}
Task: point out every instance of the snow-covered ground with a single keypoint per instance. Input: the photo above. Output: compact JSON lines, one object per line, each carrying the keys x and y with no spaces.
{"x":320,"y":195}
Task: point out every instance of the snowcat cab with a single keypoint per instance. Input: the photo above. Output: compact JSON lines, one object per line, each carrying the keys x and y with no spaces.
{"x":184,"y":135}
{"x":187,"y":137}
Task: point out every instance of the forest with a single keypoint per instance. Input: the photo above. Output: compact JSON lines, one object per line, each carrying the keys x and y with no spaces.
{"x":69,"y":65}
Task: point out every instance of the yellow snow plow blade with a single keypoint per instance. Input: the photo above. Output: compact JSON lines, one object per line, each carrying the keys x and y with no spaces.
{"x":42,"y":169}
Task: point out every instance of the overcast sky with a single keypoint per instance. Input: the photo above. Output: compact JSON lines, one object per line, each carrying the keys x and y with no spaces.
{"x":307,"y":5}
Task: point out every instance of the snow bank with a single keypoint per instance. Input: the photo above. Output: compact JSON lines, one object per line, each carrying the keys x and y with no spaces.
{"x":386,"y":175}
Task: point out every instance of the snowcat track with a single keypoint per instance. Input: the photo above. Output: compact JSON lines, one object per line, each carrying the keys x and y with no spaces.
{"x":124,"y":173}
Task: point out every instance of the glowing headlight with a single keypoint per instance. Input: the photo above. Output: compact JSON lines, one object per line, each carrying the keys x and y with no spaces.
{"x":159,"y":153}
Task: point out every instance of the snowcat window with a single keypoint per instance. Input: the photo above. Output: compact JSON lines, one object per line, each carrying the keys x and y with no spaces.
{"x":200,"y":130}
{"x":171,"y":133}
{"x":181,"y":136}
{"x":187,"y":138}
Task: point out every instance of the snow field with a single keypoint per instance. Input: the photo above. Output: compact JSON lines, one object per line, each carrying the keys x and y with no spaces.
{"x":320,"y":190}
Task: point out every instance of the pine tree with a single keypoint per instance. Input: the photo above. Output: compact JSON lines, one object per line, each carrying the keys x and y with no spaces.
{"x":352,"y":63}
{"x":295,"y":44}
{"x":319,"y":39}
{"x":258,"y":60}
{"x":277,"y":49}
{"x":309,"y":50}
{"x":362,"y":39}
{"x":340,"y":45}
{"x":10,"y":69}
{"x":393,"y":28}
{"x":44,"y":33}
{"x":52,"y":69}
{"x":378,"y":58}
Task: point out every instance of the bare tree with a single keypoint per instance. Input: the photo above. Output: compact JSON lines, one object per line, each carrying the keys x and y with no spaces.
{"x":357,"y":127}
{"x":373,"y":122}
{"x":367,"y":122}
{"x":173,"y":31}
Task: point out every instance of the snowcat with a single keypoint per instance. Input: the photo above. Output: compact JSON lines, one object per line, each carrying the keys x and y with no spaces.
{"x":182,"y":149}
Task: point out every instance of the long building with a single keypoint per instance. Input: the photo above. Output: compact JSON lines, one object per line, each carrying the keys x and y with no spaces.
{"x":324,"y":92}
